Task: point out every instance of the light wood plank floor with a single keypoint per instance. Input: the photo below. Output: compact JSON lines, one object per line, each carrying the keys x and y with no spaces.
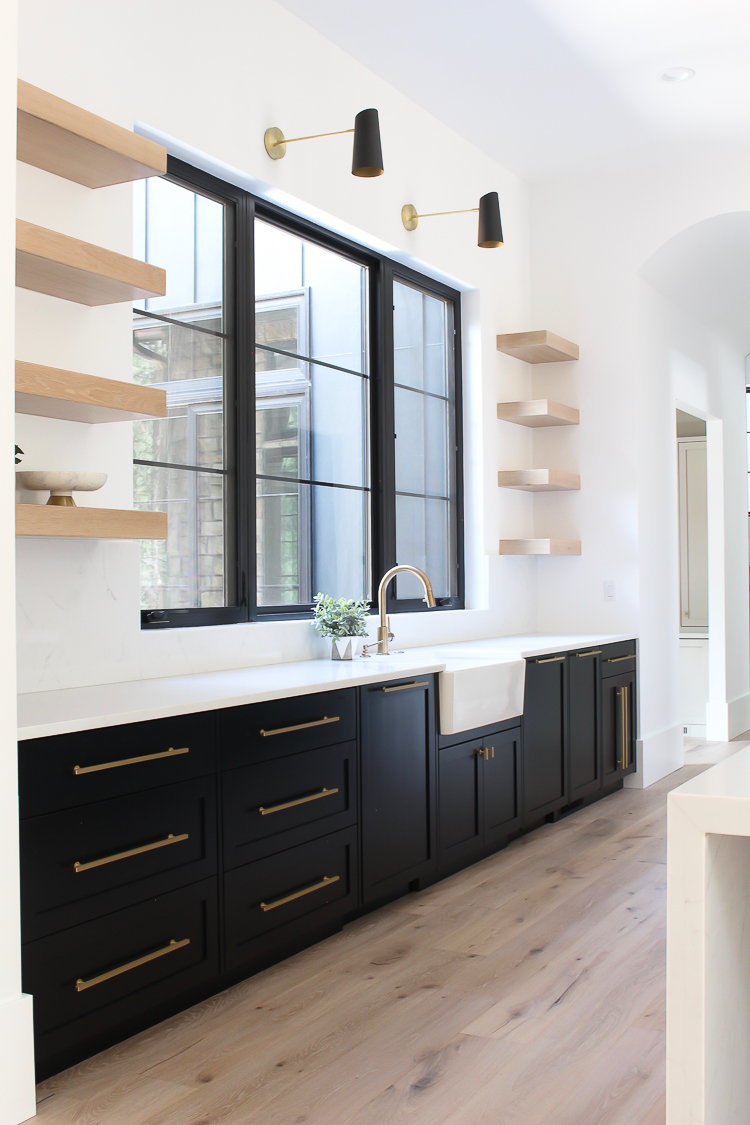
{"x":526,"y":989}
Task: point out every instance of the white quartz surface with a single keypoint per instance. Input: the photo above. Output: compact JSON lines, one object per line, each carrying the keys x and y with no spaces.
{"x":86,"y":708}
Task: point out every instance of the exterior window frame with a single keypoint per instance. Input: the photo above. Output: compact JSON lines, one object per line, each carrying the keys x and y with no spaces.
{"x":239,"y":404}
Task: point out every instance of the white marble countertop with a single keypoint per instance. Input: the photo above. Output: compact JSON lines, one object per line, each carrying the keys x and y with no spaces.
{"x":86,"y":708}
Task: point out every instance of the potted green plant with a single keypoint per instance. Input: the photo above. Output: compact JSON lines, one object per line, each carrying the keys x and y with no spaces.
{"x":343,"y":621}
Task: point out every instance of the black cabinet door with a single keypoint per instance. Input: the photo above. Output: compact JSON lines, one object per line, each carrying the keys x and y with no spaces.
{"x":544,"y":735}
{"x":584,"y":751}
{"x":619,"y":713}
{"x":398,"y":786}
{"x":501,"y":785}
{"x":460,"y":802}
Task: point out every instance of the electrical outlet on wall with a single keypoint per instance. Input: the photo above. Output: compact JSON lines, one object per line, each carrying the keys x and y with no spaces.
{"x":610,"y":592}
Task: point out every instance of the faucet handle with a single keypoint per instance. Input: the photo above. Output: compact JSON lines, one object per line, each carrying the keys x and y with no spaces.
{"x":388,"y":626}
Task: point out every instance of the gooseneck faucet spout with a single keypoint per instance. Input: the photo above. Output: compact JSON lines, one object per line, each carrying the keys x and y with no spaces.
{"x":384,"y":633}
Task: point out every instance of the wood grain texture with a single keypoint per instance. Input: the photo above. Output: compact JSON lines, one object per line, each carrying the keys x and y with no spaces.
{"x":540,"y":547}
{"x":61,"y":266}
{"x":524,"y":990}
{"x":537,"y":347}
{"x":538,"y":412}
{"x":539,"y":480}
{"x":71,"y":142}
{"x":50,"y":392}
{"x":88,"y":523}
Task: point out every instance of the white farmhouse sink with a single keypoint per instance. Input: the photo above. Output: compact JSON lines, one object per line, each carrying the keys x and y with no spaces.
{"x":476,"y":689}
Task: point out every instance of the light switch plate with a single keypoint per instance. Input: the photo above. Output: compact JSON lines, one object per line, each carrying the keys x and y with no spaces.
{"x":610,"y":592}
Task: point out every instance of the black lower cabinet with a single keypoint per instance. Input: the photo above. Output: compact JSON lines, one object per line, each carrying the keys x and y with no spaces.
{"x":618,"y":726}
{"x":501,"y":779}
{"x":584,"y":718}
{"x":544,"y":736}
{"x":99,"y":982}
{"x":398,"y":787}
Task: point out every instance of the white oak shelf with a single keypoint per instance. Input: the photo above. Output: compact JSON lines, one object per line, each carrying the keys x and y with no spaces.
{"x":43,"y":520}
{"x":71,"y":142}
{"x":53,"y":263}
{"x":540,"y":547}
{"x":537,"y":347}
{"x":539,"y":480}
{"x":49,"y":392}
{"x":538,"y":412}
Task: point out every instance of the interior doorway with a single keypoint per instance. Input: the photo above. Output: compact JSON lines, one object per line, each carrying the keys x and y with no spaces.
{"x":693,"y":525}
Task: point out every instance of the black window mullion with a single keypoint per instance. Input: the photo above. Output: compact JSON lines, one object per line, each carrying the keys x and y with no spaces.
{"x":383,"y":438}
{"x":246,"y":500}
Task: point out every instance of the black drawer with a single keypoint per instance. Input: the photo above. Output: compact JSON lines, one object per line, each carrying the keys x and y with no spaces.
{"x":155,"y":951}
{"x":73,"y":769}
{"x":270,"y":903}
{"x":618,"y":658}
{"x":172,"y":830}
{"x":275,"y":805}
{"x":259,"y":732}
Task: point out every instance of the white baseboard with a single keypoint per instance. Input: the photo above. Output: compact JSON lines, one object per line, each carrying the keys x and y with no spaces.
{"x":17,"y":1081}
{"x":657,"y":755}
{"x":725,"y":721}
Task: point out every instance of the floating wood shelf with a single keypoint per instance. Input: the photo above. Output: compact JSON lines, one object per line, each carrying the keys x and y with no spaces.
{"x":78,"y":145}
{"x":539,"y":480}
{"x":538,"y":412}
{"x":89,"y":523}
{"x":537,"y":347}
{"x":53,"y":263}
{"x":49,"y":392}
{"x":540,"y":547}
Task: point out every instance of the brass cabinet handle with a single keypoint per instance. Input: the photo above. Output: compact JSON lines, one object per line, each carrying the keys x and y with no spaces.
{"x":82,"y":985}
{"x":483,"y":753}
{"x":299,"y":801}
{"x":596,"y":652}
{"x":491,"y":750}
{"x":617,"y":659}
{"x":624,"y":695}
{"x":325,"y":882}
{"x":403,"y":687}
{"x":300,"y":726}
{"x":170,"y":753}
{"x":550,"y":660}
{"x":170,"y":839}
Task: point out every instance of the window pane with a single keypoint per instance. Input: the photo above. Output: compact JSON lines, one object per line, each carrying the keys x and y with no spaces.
{"x":311,"y":421}
{"x":185,"y":571}
{"x":424,"y":412}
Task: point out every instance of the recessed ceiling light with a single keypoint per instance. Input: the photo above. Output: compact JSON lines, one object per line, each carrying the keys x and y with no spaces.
{"x":678,"y":74}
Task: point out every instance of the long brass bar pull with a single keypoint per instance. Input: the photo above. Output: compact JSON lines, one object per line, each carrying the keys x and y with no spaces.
{"x":625,"y":725}
{"x":596,"y":652}
{"x":82,"y":985}
{"x":170,"y":839}
{"x":170,"y":753}
{"x":324,"y":882}
{"x":300,"y":726}
{"x":617,"y":659}
{"x":550,"y":660}
{"x":299,"y":801}
{"x":404,"y":687}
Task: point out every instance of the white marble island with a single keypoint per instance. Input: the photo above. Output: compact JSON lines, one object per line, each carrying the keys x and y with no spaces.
{"x":708,"y":947}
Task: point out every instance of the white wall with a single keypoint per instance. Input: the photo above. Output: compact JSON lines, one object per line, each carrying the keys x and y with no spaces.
{"x":212,"y":79}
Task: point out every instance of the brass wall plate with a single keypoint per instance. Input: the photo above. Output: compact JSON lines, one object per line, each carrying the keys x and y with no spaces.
{"x":275,"y":143}
{"x":409,"y":216}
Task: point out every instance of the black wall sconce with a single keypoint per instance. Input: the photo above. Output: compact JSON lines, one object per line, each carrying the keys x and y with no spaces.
{"x":490,"y":231}
{"x":367,"y":154}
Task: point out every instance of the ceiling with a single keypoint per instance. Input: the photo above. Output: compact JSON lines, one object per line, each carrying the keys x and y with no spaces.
{"x":553,"y":87}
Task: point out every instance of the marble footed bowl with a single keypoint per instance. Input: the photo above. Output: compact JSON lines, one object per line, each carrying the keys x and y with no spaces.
{"x":59,"y":484}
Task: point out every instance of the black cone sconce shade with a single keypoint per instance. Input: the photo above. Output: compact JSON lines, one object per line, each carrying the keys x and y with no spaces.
{"x":490,"y":231}
{"x":367,"y":155}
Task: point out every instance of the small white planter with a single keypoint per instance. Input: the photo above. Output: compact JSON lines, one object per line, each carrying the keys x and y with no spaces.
{"x":344,"y":648}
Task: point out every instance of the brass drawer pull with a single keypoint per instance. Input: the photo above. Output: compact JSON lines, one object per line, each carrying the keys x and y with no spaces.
{"x":325,"y":881}
{"x":170,"y":753}
{"x":596,"y":652}
{"x":617,"y":659}
{"x":403,"y":687}
{"x":550,"y":660}
{"x":300,"y":726}
{"x":299,"y":801}
{"x":170,"y":839}
{"x":624,"y":694}
{"x":82,"y":985}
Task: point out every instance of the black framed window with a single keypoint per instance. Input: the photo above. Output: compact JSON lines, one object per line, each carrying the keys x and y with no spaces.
{"x":313,"y":424}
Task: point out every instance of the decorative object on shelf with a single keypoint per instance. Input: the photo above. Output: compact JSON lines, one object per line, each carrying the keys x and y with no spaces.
{"x":490,"y":230}
{"x":538,"y":412}
{"x":540,"y":547}
{"x":537,"y":347}
{"x":60,"y":485}
{"x":342,"y":620}
{"x":17,"y":458}
{"x":539,"y":480}
{"x":367,"y":153}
